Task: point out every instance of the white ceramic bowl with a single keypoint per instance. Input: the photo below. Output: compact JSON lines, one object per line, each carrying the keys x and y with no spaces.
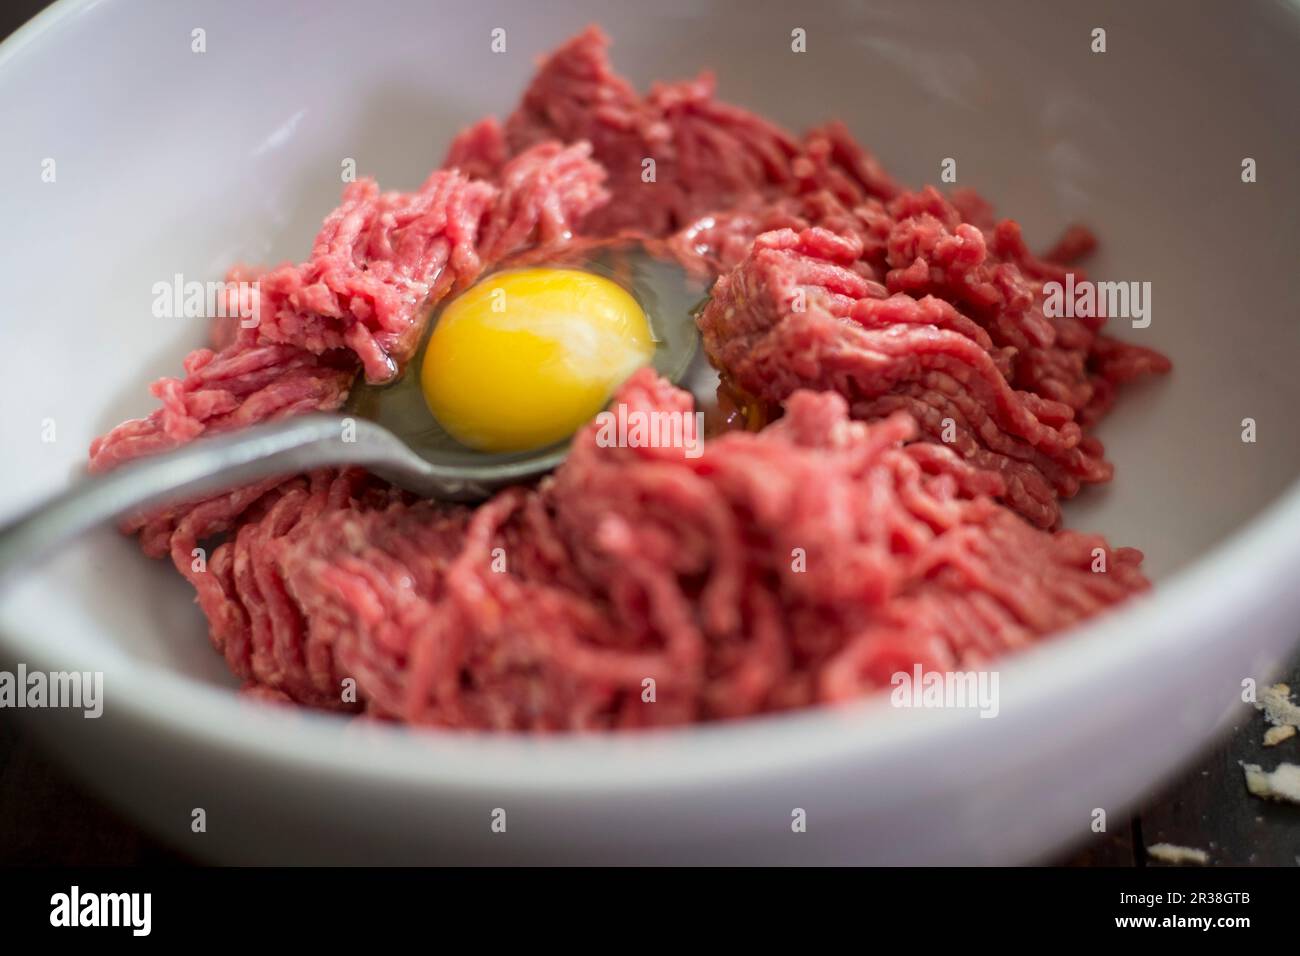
{"x":172,"y":161}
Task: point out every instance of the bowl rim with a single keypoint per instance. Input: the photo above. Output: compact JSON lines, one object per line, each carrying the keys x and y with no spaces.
{"x":1193,"y":609}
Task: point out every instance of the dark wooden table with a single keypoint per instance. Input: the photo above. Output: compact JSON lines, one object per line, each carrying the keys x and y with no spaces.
{"x":45,"y":817}
{"x":1208,"y":808}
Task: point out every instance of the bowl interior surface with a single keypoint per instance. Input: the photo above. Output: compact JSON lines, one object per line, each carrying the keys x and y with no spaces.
{"x":170,"y":161}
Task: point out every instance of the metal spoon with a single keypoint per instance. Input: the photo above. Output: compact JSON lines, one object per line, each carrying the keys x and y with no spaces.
{"x":212,"y":465}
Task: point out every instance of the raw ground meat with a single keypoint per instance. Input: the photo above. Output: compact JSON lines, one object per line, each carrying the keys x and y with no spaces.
{"x":906,"y":305}
{"x":869,"y":321}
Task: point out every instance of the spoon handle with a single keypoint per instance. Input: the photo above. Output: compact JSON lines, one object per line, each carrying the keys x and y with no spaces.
{"x":202,"y":468}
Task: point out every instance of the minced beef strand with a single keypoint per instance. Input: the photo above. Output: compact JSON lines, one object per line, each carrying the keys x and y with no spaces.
{"x":872,"y":322}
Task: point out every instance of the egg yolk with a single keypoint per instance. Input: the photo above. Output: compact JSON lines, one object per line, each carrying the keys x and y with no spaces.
{"x":525,"y":358}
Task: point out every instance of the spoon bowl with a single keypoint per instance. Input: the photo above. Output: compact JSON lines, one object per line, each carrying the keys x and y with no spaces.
{"x":665,"y":293}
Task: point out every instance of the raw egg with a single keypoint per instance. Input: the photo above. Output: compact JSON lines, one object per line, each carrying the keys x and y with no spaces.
{"x":524,"y":358}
